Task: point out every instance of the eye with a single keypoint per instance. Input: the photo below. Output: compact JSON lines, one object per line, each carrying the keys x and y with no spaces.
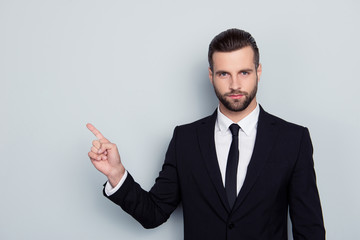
{"x":223,"y":74}
{"x":244,"y":73}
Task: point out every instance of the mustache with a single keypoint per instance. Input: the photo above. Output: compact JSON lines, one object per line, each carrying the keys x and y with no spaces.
{"x":236,"y":92}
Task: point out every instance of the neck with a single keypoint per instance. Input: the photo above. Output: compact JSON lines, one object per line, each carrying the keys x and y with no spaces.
{"x":238,"y":116}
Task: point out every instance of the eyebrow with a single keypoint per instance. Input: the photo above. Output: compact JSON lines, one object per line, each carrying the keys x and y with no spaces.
{"x":220,"y":71}
{"x":247,"y":70}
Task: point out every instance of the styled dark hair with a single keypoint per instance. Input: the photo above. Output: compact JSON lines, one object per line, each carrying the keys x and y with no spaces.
{"x":231,"y":40}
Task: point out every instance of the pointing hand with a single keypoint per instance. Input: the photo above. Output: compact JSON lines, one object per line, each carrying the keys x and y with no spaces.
{"x":105,"y":157}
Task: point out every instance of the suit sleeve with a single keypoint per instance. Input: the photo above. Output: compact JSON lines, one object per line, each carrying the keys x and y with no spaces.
{"x":152,"y":208}
{"x":304,"y":203}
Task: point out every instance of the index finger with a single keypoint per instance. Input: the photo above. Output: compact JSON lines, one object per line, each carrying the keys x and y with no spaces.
{"x":96,"y":132}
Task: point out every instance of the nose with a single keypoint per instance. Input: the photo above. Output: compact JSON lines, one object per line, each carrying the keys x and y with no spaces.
{"x":235,"y":83}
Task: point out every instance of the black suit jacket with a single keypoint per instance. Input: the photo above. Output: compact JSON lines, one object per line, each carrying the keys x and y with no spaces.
{"x":280,"y":175}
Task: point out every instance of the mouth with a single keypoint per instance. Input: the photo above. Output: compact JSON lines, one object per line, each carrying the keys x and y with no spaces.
{"x":235,"y":96}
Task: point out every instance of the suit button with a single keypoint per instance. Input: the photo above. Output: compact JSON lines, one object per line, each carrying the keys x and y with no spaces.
{"x":231,"y":226}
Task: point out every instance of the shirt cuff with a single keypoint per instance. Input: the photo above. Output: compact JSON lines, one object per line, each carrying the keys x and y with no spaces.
{"x":109,"y":190}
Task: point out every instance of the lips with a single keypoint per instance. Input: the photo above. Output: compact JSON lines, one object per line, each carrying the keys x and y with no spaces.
{"x":235,"y":96}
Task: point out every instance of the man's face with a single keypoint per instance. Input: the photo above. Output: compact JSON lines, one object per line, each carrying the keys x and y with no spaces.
{"x":235,"y":79}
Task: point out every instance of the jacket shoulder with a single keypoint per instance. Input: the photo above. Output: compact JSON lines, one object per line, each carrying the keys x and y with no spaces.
{"x":275,"y":119}
{"x":284,"y":126}
{"x":203,"y":121}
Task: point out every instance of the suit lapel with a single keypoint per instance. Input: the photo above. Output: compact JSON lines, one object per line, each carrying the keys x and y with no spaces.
{"x":207,"y":147}
{"x":265,"y":138}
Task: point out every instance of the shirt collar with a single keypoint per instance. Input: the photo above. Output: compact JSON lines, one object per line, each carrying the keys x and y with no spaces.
{"x":247,"y":124}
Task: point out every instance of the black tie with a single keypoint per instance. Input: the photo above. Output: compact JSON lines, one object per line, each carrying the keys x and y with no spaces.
{"x":232,"y":165}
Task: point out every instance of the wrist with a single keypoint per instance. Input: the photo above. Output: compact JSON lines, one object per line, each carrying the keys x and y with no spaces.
{"x":115,"y":176}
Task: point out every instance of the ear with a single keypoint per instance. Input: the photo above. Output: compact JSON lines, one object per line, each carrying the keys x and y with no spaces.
{"x":211,"y":76}
{"x":259,"y":71}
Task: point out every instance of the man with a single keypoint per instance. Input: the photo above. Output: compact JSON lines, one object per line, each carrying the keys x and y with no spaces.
{"x":236,"y":172}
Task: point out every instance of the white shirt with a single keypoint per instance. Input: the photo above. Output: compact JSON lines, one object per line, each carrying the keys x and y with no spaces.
{"x":223,"y":139}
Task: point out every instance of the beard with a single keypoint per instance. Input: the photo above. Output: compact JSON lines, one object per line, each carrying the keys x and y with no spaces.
{"x":237,"y":105}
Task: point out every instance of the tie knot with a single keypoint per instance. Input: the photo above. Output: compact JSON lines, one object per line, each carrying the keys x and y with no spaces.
{"x":234,"y":128}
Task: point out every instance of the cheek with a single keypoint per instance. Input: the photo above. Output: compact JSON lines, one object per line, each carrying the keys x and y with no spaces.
{"x":251,"y":83}
{"x":220,"y":86}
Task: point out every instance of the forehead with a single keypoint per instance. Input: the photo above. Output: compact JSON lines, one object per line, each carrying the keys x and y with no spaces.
{"x":241,"y":58}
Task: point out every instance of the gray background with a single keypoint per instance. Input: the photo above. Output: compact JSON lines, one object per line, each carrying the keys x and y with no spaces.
{"x":139,"y":69}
